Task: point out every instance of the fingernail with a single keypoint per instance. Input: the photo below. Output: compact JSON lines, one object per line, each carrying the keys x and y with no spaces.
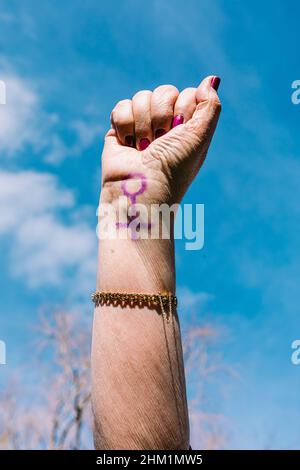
{"x":144,"y":143}
{"x":177,"y":120}
{"x":215,"y":82}
{"x":159,"y":133}
{"x":129,"y":140}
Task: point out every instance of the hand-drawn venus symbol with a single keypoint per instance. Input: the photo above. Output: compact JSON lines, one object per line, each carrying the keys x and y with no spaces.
{"x":132,"y":197}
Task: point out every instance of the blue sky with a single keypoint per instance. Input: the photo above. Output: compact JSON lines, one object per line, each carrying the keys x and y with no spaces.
{"x":65,"y":66}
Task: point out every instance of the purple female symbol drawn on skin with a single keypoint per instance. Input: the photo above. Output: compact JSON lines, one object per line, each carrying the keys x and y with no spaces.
{"x":132,"y":197}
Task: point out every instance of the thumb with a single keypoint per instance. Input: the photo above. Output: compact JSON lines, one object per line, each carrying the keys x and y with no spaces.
{"x":199,"y":130}
{"x":208,"y":108}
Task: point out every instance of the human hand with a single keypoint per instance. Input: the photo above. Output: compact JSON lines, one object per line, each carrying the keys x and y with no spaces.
{"x":158,"y":142}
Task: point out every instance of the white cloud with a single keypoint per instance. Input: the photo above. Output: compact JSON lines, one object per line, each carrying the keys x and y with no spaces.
{"x":19,"y":117}
{"x":6,"y":17}
{"x":190,"y":300}
{"x":28,"y":194}
{"x":24,"y":123}
{"x":84,"y":134}
{"x":45,"y":249}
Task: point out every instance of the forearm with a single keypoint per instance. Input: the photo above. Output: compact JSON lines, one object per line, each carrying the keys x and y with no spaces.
{"x":157,"y":143}
{"x":138,"y":378}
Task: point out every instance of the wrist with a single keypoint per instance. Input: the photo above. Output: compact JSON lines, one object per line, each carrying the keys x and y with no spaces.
{"x":138,"y":266}
{"x":119,"y":217}
{"x":139,"y":187}
{"x":136,"y":251}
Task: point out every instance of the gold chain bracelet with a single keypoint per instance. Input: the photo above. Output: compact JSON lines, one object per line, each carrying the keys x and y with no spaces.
{"x":163,"y":300}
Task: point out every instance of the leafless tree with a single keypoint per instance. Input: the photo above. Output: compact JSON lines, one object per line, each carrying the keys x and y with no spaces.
{"x":69,"y":400}
{"x":205,"y":371}
{"x":55,"y":413}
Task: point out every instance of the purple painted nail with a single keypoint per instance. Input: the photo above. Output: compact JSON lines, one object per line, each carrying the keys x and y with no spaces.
{"x":159,"y":133}
{"x":215,"y":82}
{"x":129,"y":140}
{"x":177,"y":120}
{"x":144,"y":143}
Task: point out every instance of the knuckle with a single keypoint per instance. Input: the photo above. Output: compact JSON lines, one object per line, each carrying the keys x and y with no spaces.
{"x":166,"y":90}
{"x":142,"y":94}
{"x":187,"y":100}
{"x":120,"y":118}
{"x":121,"y":114}
{"x":122,"y":103}
{"x":189,"y":91}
